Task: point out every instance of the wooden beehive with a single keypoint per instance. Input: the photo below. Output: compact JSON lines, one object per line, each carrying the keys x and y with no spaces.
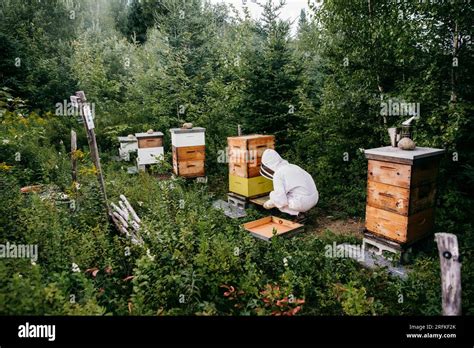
{"x":150,"y":148}
{"x":189,"y":151}
{"x":245,"y":157}
{"x":188,"y":161}
{"x":245,"y":153}
{"x":128,"y":144}
{"x":149,"y":140}
{"x":401,"y":192}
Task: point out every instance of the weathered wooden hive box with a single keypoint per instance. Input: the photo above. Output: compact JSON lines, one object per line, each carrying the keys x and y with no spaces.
{"x":150,"y":148}
{"x":401,"y":192}
{"x":189,"y":151}
{"x":245,"y":158}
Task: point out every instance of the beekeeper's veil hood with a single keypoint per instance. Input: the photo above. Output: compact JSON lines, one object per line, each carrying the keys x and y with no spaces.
{"x":271,"y":160}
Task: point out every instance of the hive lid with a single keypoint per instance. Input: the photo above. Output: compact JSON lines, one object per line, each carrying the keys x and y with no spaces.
{"x":252,"y":136}
{"x":264,"y":228}
{"x":149,"y":135}
{"x":185,"y":130}
{"x":402,"y":156}
{"x":128,"y":139}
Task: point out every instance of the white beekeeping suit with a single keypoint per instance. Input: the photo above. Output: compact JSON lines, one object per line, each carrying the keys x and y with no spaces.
{"x":294,"y":190}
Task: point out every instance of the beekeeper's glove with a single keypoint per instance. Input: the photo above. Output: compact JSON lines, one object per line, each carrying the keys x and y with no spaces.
{"x":269,"y":204}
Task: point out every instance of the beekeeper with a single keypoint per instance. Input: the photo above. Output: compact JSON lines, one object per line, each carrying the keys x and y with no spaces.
{"x":294,"y":190}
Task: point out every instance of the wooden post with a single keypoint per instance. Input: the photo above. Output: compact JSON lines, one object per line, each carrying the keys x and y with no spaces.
{"x":450,"y":273}
{"x":73,"y":155}
{"x":239,"y":130}
{"x":89,"y":127}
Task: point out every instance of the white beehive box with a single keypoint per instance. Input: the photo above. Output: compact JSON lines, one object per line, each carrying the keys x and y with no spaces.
{"x":127,"y":144}
{"x":150,"y":155}
{"x":149,"y":139}
{"x":181,"y":137}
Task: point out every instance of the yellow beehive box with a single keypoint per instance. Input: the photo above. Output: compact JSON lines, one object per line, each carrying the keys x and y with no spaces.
{"x":250,"y":187}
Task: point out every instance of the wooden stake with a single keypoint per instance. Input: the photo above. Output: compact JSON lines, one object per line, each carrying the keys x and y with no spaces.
{"x":121,"y":219}
{"x":123,"y":213}
{"x":239,"y":130}
{"x":450,"y":273}
{"x":92,"y":145}
{"x":73,"y":155}
{"x":130,"y":209}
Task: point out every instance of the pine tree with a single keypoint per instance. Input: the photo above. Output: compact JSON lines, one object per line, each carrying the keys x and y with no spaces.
{"x":136,"y":24}
{"x":272,"y":78}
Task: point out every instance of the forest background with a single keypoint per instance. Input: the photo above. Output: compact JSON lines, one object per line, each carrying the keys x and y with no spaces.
{"x":157,"y":63}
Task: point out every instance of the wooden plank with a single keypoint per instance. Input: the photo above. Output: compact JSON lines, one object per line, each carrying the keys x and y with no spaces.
{"x":249,"y":137}
{"x":387,"y":224}
{"x":402,"y":229}
{"x":244,"y":170}
{"x":263,"y":228}
{"x":130,"y":209}
{"x":388,"y":197}
{"x":81,"y":98}
{"x":258,"y":222}
{"x":422,"y":198}
{"x":238,"y":169}
{"x":420,"y":224}
{"x":389,"y":159}
{"x":389,"y":173}
{"x":450,"y":273}
{"x":260,"y":200}
{"x":187,"y":153}
{"x":150,"y":142}
{"x":425,"y":172}
{"x":257,"y":143}
{"x":256,"y":147}
{"x":191,"y":168}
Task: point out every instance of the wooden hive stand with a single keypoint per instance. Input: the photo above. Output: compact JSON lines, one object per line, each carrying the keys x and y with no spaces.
{"x":401,"y":195}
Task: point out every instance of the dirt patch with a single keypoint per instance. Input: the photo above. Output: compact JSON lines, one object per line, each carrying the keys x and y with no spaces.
{"x":347,"y":227}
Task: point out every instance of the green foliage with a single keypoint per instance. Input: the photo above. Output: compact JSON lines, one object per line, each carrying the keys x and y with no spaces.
{"x":158,"y":63}
{"x":354,"y":300}
{"x":271,"y":77}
